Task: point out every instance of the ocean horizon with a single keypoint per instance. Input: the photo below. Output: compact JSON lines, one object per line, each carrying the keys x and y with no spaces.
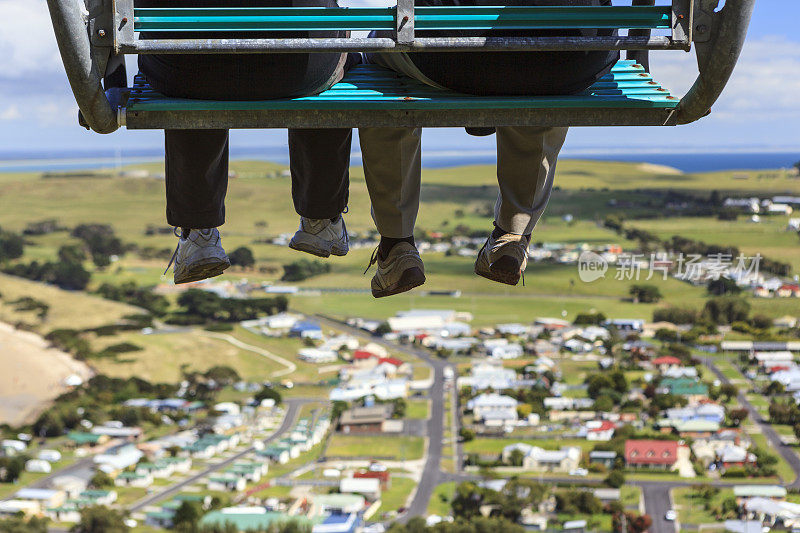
{"x":689,"y":161}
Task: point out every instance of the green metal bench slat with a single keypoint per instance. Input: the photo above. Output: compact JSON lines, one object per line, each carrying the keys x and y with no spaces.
{"x":426,"y":18}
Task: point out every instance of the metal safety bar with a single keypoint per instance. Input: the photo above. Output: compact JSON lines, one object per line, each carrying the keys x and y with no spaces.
{"x":90,"y":43}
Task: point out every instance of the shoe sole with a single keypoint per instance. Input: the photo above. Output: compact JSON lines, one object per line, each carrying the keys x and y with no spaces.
{"x":410,"y":279}
{"x":318,"y":252}
{"x":500,"y":276}
{"x":204,"y":269}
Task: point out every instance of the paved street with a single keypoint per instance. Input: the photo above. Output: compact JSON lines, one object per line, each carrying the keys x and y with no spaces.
{"x":432,"y":474}
{"x":772,"y":436}
{"x":292,"y":410}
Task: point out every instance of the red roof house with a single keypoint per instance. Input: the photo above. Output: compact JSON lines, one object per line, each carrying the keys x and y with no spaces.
{"x":362,"y":355}
{"x":385,"y":477}
{"x":651,"y":453}
{"x":667,"y":360}
{"x":391,"y":360}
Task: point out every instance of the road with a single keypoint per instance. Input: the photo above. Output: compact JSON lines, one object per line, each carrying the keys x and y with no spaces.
{"x":290,"y":367}
{"x":292,"y":410}
{"x":772,"y":436}
{"x":432,"y":474}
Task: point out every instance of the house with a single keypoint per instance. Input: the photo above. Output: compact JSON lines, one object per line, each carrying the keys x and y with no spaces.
{"x":600,"y":430}
{"x":275,"y":454}
{"x":100,"y":497}
{"x":655,"y":454}
{"x":625,"y":324}
{"x":506,"y":351}
{"x":369,"y":488}
{"x":494,"y":409}
{"x":666,"y":362}
{"x":605,"y":458}
{"x":159,"y":469}
{"x":337,"y":503}
{"x":251,"y":519}
{"x":44,"y":497}
{"x":12,"y":447}
{"x":384,"y":476}
{"x":306,"y":330}
{"x":734,"y":456}
{"x":696,"y":428}
{"x":339,"y":523}
{"x":678,"y":372}
{"x":685,"y":387}
{"x":318,"y":355}
{"x":775,"y":492}
{"x":38,"y":466}
{"x":82,"y":439}
{"x":709,"y":411}
{"x":132,"y":479}
{"x":15,"y":507}
{"x":117,"y":459}
{"x":226,"y":482}
{"x":365,"y":419}
{"x":131,"y":434}
{"x":535,"y":458}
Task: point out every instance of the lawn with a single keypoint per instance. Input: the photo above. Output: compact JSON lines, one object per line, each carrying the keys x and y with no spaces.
{"x":783,"y":468}
{"x":418,"y":409}
{"x":397,"y":495}
{"x":495,"y":446}
{"x":439,"y":503}
{"x":691,"y":508}
{"x":396,"y":447}
{"x":164,"y":355}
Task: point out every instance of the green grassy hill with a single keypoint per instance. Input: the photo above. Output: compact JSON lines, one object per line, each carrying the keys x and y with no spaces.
{"x":259,"y":208}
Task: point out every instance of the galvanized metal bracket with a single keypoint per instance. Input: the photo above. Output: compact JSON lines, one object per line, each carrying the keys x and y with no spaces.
{"x":404,"y":22}
{"x":704,"y":19}
{"x":682,"y":21}
{"x":123,"y":23}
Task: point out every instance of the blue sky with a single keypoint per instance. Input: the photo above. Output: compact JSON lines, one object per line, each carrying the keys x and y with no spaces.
{"x":758,"y":112}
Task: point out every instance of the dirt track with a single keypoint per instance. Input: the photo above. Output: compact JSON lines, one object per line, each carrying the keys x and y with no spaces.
{"x":32,"y":374}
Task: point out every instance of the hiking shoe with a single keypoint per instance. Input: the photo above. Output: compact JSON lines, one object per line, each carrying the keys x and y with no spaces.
{"x":503,"y":259}
{"x":199,"y":255}
{"x":321,"y":237}
{"x":401,"y":271}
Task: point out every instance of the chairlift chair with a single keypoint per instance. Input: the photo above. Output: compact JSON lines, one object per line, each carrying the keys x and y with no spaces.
{"x":94,"y":35}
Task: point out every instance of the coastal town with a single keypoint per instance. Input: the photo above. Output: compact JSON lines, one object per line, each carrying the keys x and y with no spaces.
{"x":594,"y":420}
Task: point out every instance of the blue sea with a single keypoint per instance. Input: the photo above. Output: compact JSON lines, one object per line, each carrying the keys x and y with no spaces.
{"x":686,"y":162}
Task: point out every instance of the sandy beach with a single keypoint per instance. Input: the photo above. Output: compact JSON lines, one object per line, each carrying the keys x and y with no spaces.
{"x":33,"y":374}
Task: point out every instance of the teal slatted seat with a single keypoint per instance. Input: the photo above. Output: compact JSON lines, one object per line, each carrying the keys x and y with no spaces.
{"x":92,"y":48}
{"x":368,"y":89}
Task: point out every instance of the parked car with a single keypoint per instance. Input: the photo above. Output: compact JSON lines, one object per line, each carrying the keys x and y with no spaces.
{"x":671,"y":515}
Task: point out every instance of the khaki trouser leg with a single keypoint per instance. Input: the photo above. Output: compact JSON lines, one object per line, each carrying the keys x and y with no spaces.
{"x":392,"y":164}
{"x":526,"y":165}
{"x":393,"y":168}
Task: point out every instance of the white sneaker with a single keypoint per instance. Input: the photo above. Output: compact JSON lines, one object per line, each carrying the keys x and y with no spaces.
{"x":199,"y":255}
{"x":321,"y":237}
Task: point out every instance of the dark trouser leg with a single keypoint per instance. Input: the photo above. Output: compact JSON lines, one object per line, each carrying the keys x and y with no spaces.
{"x":320,"y":164}
{"x":196,"y":177}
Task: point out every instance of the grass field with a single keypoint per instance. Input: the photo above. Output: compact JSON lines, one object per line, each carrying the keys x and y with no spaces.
{"x":397,"y":495}
{"x":396,"y":447}
{"x":495,"y":446}
{"x":439,"y":503}
{"x":418,"y":409}
{"x":691,"y":508}
{"x":783,"y":468}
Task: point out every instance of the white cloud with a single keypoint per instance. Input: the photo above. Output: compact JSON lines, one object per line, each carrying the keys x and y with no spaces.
{"x":27,"y":43}
{"x":764,"y":85}
{"x":10,"y":113}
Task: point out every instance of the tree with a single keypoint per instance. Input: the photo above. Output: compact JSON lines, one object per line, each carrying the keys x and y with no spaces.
{"x":615,"y":479}
{"x":243,"y":257}
{"x":383,"y":328}
{"x":466,"y":434}
{"x":516,"y":458}
{"x":726,"y":310}
{"x":100,"y":519}
{"x":267,"y":392}
{"x":338,"y":408}
{"x":21,"y":524}
{"x":71,"y":253}
{"x":12,"y":246}
{"x":728,"y":390}
{"x":645,"y":293}
{"x":100,"y":480}
{"x":187,"y":517}
{"x":223,"y":375}
{"x":603,"y":404}
{"x":738,"y":416}
{"x":722,"y":286}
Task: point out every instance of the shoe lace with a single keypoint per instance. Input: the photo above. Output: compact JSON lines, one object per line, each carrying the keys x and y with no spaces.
{"x":175,"y":253}
{"x":372,"y":260}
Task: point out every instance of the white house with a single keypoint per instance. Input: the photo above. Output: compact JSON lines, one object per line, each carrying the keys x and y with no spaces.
{"x":535,"y":458}
{"x":318,"y":355}
{"x":494,"y":406}
{"x":600,"y":430}
{"x":509,"y":351}
{"x":38,"y":466}
{"x":370,"y":488}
